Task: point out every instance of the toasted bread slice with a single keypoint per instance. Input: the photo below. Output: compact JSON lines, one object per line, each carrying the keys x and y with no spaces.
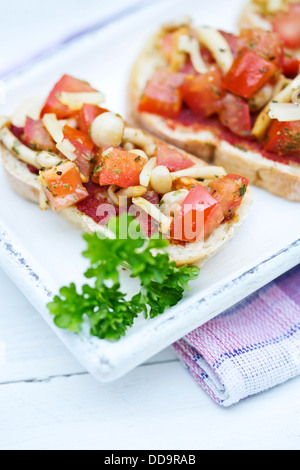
{"x":278,"y":178}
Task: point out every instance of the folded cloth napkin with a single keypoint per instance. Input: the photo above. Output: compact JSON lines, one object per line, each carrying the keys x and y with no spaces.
{"x":251,"y":347}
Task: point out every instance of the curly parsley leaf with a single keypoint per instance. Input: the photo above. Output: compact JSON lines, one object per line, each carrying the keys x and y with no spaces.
{"x":103,"y":304}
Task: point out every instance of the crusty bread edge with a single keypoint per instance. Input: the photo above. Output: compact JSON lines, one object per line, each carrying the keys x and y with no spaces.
{"x":279,"y":179}
{"x":26,"y":185}
{"x":19,"y":177}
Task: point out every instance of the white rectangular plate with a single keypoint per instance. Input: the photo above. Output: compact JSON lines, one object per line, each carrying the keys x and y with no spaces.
{"x":41,"y":252}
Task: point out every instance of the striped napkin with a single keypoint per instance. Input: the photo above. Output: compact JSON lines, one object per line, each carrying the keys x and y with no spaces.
{"x":251,"y":347}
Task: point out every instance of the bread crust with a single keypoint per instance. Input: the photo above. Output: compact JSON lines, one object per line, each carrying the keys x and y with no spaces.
{"x":19,"y":177}
{"x":278,"y":178}
{"x":27,"y":186}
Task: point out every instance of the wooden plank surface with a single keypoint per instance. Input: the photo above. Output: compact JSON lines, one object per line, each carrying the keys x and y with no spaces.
{"x":48,"y":402}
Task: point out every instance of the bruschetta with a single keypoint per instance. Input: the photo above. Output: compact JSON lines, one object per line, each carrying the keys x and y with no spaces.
{"x":209,"y":92}
{"x":77,"y":158}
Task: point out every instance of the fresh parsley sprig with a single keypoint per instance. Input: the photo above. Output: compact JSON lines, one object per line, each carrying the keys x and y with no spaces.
{"x":103,"y":303}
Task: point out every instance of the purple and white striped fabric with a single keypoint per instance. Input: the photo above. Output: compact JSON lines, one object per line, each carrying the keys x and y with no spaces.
{"x":251,"y":347}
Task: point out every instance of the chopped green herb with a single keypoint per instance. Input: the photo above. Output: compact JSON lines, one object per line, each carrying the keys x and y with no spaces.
{"x":242,"y":190}
{"x":16,"y":150}
{"x":103,"y":303}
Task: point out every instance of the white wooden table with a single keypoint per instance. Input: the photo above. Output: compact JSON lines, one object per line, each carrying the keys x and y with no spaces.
{"x":47,"y":401}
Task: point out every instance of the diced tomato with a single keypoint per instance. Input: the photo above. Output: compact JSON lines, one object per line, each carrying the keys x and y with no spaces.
{"x":229,"y":192}
{"x":63,"y":186}
{"x":18,"y":132}
{"x":188,"y":68}
{"x":121,"y":168}
{"x":203,"y":93}
{"x":84,"y":164}
{"x":235,"y":114}
{"x":231,"y":39}
{"x":173,"y":159}
{"x":287,"y":25}
{"x":81,"y":137}
{"x":284,"y":138}
{"x":266,"y":44}
{"x":84,"y":149}
{"x":37,"y":137}
{"x":70,"y":85}
{"x":162,"y":95}
{"x":207,"y":56}
{"x":97,"y":205}
{"x":291,"y":65}
{"x":248,"y":74}
{"x":87,"y":115}
{"x":200,"y":214}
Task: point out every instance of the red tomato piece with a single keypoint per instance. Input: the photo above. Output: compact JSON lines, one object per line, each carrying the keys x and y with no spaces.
{"x":68,"y":84}
{"x":84,"y":149}
{"x":284,"y":138}
{"x":87,"y":115}
{"x":207,"y":56}
{"x":203,"y":93}
{"x":172,"y":158}
{"x":188,"y":68}
{"x":84,"y":164}
{"x":231,"y":39}
{"x":200,"y":214}
{"x":97,"y":205}
{"x":291,"y":65}
{"x":78,"y":136}
{"x":37,"y":137}
{"x":266,"y":44}
{"x":248,"y":74}
{"x":18,"y":132}
{"x":121,"y":168}
{"x":63,"y":186}
{"x":287,"y":25}
{"x":162,"y":95}
{"x":229,"y":192}
{"x":235,"y":114}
